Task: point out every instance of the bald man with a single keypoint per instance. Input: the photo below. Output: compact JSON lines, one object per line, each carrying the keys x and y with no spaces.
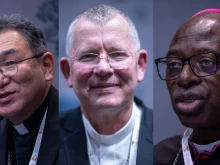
{"x":192,"y":74}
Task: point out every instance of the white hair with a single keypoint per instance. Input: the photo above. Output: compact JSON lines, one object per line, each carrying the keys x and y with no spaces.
{"x":101,"y":13}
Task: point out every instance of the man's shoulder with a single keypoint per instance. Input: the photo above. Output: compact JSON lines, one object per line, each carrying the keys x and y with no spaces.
{"x":68,"y":117}
{"x":147,"y":113}
{"x":141,"y":105}
{"x":166,"y":150}
{"x":169,"y":143}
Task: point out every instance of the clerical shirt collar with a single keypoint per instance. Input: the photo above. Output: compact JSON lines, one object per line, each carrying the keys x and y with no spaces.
{"x":207,"y":147}
{"x":35,"y":119}
{"x":22,"y":130}
{"x":114,"y":138}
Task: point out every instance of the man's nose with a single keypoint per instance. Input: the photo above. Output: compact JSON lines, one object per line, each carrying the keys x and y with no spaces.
{"x":187,"y":78}
{"x":103,"y":67}
{"x":4,"y":80}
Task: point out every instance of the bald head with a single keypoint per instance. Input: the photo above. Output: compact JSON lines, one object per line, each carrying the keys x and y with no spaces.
{"x":200,"y":27}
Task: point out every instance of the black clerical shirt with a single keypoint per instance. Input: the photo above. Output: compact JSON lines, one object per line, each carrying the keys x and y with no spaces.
{"x":23,"y":145}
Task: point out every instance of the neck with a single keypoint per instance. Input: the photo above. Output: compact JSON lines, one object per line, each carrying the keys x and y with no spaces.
{"x":205,"y":136}
{"x":108,"y":122}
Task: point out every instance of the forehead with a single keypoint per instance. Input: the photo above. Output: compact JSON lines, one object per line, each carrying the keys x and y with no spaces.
{"x":12,"y":43}
{"x":114,"y":33}
{"x":197,"y":36}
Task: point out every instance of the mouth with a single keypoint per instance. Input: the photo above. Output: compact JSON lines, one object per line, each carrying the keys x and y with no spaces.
{"x":189,"y":105}
{"x":5,"y":97}
{"x":188,"y":102}
{"x":103,"y":87}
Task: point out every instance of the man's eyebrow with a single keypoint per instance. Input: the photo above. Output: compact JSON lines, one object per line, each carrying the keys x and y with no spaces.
{"x":8,"y":52}
{"x":172,"y":52}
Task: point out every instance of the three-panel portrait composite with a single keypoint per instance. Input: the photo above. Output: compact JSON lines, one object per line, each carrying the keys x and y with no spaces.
{"x":110,"y":82}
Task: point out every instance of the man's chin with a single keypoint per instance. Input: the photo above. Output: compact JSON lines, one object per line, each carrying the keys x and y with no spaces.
{"x":193,"y":122}
{"x":9,"y":111}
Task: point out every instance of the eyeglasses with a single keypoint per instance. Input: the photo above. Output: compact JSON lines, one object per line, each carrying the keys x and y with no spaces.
{"x":88,"y":61}
{"x":204,"y":64}
{"x":9,"y":68}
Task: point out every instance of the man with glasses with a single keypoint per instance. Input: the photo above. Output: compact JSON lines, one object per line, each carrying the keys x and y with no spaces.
{"x":191,"y":71}
{"x":103,"y":65}
{"x":28,"y":101}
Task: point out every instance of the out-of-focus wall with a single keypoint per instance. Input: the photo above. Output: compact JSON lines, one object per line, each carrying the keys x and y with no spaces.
{"x":141,"y":13}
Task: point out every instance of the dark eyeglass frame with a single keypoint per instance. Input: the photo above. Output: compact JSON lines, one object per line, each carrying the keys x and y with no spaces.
{"x":183,"y":60}
{"x":19,"y":61}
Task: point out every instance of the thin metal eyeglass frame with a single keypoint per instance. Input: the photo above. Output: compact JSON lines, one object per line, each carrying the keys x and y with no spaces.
{"x":19,"y":61}
{"x":106,"y":58}
{"x":183,"y":63}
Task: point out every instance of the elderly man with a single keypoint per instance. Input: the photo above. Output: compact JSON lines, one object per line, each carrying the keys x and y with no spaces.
{"x":191,"y":71}
{"x":28,"y":102}
{"x":104,"y":65}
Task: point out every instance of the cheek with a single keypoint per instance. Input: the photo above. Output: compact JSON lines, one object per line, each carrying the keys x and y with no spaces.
{"x":170,"y":86}
{"x":24,"y":79}
{"x":214,"y":88}
{"x":127,"y":78}
{"x":80,"y":79}
{"x":29,"y":80}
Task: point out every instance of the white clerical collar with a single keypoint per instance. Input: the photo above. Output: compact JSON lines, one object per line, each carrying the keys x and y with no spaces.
{"x":207,"y":147}
{"x":116,"y":137}
{"x":21,"y":129}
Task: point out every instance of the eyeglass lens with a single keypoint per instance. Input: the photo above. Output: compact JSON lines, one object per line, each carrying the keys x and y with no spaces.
{"x":202,"y":65}
{"x":117,"y":60}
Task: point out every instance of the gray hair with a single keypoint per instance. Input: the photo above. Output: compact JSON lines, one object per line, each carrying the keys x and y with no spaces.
{"x":101,"y":13}
{"x":27,"y":29}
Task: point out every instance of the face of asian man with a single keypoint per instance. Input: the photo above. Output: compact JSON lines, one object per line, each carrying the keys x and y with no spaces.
{"x":23,"y":91}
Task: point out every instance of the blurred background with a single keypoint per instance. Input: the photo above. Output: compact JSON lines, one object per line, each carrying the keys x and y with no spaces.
{"x":141,"y":13}
{"x":168,"y":16}
{"x":44,"y":14}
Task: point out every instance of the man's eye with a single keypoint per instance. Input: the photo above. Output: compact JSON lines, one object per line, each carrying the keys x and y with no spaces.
{"x":9,"y":63}
{"x":206,"y":62}
{"x":87,"y":57}
{"x":174,"y":65}
{"x":118,"y":56}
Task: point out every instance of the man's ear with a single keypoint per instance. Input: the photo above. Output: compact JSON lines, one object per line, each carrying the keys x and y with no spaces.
{"x":142,"y":64}
{"x":65,"y":68}
{"x":48,"y":65}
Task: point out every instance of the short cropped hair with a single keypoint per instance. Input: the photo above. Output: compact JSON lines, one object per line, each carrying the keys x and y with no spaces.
{"x":101,"y":13}
{"x":27,"y":29}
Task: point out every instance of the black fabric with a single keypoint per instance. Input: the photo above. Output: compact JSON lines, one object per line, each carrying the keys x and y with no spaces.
{"x":24,"y":144}
{"x":166,"y":151}
{"x":48,"y":153}
{"x":73,"y":145}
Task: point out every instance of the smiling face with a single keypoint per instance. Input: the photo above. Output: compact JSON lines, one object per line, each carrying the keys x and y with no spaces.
{"x":104,"y":87}
{"x":21,"y":93}
{"x":196,"y":99}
